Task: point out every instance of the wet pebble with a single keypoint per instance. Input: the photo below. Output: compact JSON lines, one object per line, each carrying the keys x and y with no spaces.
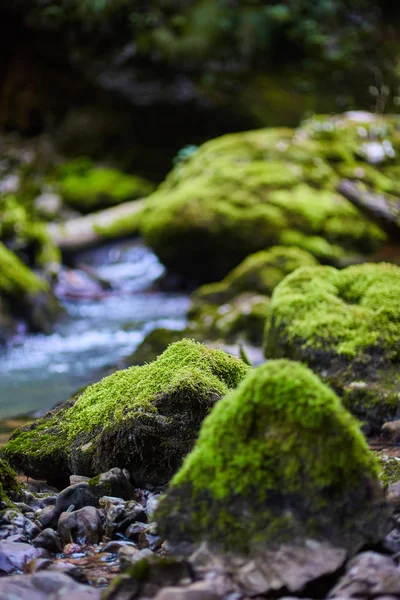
{"x":15,"y":555}
{"x":79,"y":496}
{"x":49,"y":540}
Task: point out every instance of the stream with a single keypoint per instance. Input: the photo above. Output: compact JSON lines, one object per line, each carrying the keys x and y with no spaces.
{"x":98,"y":330}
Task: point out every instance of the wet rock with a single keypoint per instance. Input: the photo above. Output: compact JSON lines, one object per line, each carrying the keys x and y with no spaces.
{"x":135,"y":530}
{"x":74,"y":479}
{"x":13,"y":523}
{"x":157,"y":408}
{"x":78,"y":496}
{"x":197,"y":591}
{"x":315,"y":318}
{"x":130,"y":556}
{"x":49,"y":516}
{"x":113,"y":483}
{"x":37,"y":564}
{"x":152,"y":503}
{"x":49,"y":540}
{"x":133,"y":512}
{"x":275,"y":486}
{"x":391,"y":431}
{"x":115,"y":546}
{"x":15,"y":555}
{"x":370,"y":575}
{"x":46,"y":585}
{"x":393,"y":495}
{"x":148,"y":538}
{"x":81,"y":526}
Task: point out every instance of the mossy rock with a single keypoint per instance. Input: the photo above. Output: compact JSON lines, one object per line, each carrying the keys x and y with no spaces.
{"x":25,"y":296}
{"x":144,"y":419}
{"x":236,"y":307}
{"x":152,"y":346}
{"x":88,"y":187}
{"x":260,"y":272}
{"x":346,"y":326}
{"x":249,"y":191}
{"x":9,"y":485}
{"x":240,"y":319}
{"x":277,"y":460}
{"x":389,"y":469}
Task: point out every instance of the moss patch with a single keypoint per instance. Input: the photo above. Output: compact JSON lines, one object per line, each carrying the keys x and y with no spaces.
{"x":277,"y":459}
{"x":88,"y":187}
{"x":346,"y":326}
{"x":248,"y":191}
{"x":144,"y":418}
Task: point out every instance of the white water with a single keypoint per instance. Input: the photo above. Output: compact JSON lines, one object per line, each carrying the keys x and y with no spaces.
{"x":41,"y":371}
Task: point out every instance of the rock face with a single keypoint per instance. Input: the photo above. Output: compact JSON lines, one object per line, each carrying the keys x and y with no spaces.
{"x":23,"y":296}
{"x":278,"y":460}
{"x":245,"y":192}
{"x":144,"y":419}
{"x":345,"y":326}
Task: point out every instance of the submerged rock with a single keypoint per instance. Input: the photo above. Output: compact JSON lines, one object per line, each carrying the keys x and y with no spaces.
{"x":245,"y":192}
{"x":346,"y":326}
{"x":279,"y":461}
{"x":144,"y":419}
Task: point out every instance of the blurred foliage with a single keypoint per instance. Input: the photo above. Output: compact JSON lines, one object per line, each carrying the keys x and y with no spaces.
{"x":222,"y":40}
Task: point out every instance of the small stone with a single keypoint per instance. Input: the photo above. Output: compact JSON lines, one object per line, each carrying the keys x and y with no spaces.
{"x":49,"y":540}
{"x":79,"y":495}
{"x":49,"y":516}
{"x":191,"y":593}
{"x":390,"y":431}
{"x":393,"y":495}
{"x":115,"y":546}
{"x":149,"y":540}
{"x":114,"y":482}
{"x":81,"y":526}
{"x":129,"y":556}
{"x":369,"y":575}
{"x":135,"y":530}
{"x":74,"y":479}
{"x":152,"y":503}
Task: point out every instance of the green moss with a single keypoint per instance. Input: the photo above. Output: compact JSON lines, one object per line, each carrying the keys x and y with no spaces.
{"x":389,"y":469}
{"x":260,"y":272}
{"x":278,"y":458}
{"x":352,"y":310}
{"x":248,"y":191}
{"x":88,"y":187}
{"x":146,"y":405}
{"x":15,"y":277}
{"x":345,"y":325}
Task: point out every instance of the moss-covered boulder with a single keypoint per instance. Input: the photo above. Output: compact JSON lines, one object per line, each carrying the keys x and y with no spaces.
{"x":236,"y":307}
{"x":9,"y":485}
{"x":144,"y":419}
{"x":88,"y":187}
{"x":23,"y":296}
{"x":248,"y":191}
{"x":278,"y":460}
{"x":346,"y":326}
{"x":260,"y":273}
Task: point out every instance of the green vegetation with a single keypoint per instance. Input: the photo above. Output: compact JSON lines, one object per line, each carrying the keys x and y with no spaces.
{"x":389,"y":469}
{"x":88,"y":187}
{"x":249,"y":191}
{"x":345,"y":325}
{"x":144,"y":418}
{"x":277,"y":459}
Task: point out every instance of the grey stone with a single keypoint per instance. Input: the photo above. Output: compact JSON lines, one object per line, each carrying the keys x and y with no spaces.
{"x":15,"y":555}
{"x":369,"y":574}
{"x":45,"y":585}
{"x":78,"y":495}
{"x":49,"y":540}
{"x":81,"y":526}
{"x":49,"y":516}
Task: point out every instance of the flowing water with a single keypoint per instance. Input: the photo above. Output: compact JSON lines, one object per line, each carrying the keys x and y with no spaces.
{"x":39,"y":371}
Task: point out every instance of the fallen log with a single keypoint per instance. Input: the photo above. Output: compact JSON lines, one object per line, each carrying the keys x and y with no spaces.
{"x":381,"y":209}
{"x":111,"y":223}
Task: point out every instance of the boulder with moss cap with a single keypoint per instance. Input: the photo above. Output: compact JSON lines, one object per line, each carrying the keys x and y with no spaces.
{"x":23,"y":296}
{"x":144,"y":419}
{"x":248,"y":191}
{"x":346,"y":326}
{"x":278,"y":461}
{"x":236,"y":307}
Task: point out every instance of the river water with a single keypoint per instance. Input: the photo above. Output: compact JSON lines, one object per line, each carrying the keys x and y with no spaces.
{"x":39,"y":371}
